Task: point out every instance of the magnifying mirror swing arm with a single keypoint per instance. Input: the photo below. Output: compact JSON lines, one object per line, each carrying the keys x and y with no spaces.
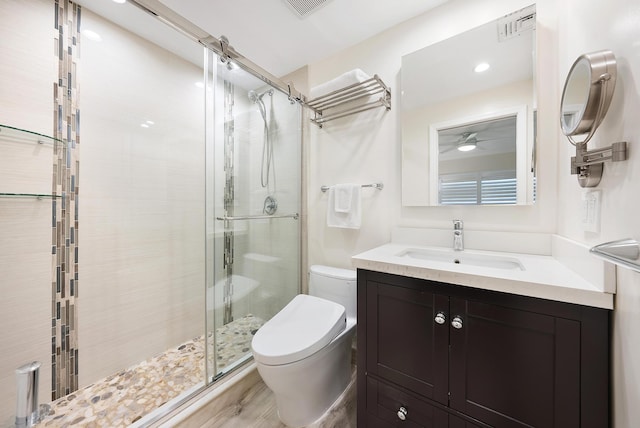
{"x":588,"y":164}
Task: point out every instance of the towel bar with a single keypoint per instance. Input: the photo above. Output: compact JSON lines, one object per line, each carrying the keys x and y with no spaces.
{"x":378,"y":186}
{"x":259,"y":217}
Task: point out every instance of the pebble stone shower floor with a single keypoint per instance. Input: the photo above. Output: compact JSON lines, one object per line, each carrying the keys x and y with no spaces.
{"x":123,"y":398}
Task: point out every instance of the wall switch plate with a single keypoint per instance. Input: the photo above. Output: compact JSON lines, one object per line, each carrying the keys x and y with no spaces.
{"x":591,"y":211}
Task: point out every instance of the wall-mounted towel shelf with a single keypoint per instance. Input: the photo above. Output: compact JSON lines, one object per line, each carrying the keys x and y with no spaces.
{"x":625,"y":252}
{"x":341,"y":103}
{"x":378,"y":186}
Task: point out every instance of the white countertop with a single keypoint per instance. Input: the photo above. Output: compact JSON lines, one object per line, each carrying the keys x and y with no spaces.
{"x":543,"y":276}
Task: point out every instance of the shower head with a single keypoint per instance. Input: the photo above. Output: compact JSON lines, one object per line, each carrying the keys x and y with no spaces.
{"x":255,"y":97}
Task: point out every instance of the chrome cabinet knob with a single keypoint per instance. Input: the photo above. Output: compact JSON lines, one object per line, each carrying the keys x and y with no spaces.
{"x":456,"y":322}
{"x":402,"y":413}
{"x":440,"y":318}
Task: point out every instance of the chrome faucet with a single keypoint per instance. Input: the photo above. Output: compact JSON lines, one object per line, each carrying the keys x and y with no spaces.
{"x":458,"y":237}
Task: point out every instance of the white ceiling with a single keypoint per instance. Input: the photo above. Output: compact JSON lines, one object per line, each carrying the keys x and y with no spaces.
{"x":444,"y":70}
{"x":274,"y":37}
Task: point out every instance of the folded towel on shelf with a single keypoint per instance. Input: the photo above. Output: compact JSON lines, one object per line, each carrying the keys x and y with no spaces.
{"x":344,"y":206}
{"x":345,"y":79}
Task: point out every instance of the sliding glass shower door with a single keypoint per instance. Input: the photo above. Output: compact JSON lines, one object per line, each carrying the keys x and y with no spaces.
{"x":106,"y":281}
{"x":253,"y":206}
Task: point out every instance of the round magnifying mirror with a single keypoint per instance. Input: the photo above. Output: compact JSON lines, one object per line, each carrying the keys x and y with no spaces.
{"x":587,"y":94}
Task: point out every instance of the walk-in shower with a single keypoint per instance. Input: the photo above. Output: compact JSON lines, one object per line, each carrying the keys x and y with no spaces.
{"x":174,"y":250}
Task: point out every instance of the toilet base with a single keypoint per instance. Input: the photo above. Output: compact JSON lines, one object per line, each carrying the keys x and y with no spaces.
{"x":306,"y":389}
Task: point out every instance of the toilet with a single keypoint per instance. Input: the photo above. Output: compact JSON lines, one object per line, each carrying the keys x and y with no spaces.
{"x":303,"y":353}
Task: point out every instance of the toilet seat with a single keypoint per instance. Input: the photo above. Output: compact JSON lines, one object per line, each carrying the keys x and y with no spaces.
{"x":303,"y":327}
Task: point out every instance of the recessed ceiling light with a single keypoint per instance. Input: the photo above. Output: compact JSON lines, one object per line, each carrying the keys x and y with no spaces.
{"x":91,"y":35}
{"x":144,"y":125}
{"x":483,"y":66}
{"x":120,"y":1}
{"x":150,"y":122}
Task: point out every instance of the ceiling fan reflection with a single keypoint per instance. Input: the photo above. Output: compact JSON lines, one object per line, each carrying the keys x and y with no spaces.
{"x":465,"y":143}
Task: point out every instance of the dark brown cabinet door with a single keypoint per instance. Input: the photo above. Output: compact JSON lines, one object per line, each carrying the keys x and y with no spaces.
{"x":405,"y":344}
{"x":514,"y":368}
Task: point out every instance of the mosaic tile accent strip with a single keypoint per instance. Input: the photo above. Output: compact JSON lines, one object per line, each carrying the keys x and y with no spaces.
{"x":123,"y":398}
{"x":64,"y":249}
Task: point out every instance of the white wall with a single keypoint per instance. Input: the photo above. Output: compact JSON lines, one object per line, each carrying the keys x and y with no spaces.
{"x":361,"y":149}
{"x":367,"y":147}
{"x":587,"y":27}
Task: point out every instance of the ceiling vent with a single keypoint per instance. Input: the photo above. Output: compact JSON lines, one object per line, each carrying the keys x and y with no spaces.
{"x":303,"y":8}
{"x":516,"y":23}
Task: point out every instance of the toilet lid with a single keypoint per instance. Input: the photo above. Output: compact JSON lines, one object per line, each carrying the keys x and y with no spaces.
{"x":303,"y":327}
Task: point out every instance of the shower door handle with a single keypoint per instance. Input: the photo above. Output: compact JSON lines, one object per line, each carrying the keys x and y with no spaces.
{"x":294,"y":216}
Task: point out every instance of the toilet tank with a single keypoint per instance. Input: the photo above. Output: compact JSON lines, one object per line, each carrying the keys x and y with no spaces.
{"x":335,"y":284}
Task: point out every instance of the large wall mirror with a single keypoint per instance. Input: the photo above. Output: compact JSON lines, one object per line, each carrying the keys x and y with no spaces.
{"x":469,"y":117}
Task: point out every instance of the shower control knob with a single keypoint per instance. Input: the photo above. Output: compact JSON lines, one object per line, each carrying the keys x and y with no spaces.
{"x":456,"y":322}
{"x":402,"y":413}
{"x":270,"y":205}
{"x":440,"y":318}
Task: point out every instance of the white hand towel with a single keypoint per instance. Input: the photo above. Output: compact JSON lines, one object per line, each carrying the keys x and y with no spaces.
{"x":351,"y":219}
{"x":343,"y":194}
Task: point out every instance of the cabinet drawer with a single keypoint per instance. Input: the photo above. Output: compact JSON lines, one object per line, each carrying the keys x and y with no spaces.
{"x":384,"y":401}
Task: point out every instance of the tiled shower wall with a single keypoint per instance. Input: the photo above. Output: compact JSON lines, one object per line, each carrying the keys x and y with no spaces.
{"x":28,"y":69}
{"x":142,"y":197}
{"x":142,"y":211}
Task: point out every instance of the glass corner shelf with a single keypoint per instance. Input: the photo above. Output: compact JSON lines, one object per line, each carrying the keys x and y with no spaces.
{"x":28,"y":195}
{"x":10,"y":133}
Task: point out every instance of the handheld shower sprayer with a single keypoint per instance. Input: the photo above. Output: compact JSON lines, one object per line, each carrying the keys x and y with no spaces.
{"x":267,"y":169}
{"x":255,"y":97}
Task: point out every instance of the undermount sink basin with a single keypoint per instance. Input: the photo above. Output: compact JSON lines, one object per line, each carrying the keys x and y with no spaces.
{"x":463,"y":258}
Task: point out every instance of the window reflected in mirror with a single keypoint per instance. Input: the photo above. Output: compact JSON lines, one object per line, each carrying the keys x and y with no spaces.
{"x":477,"y":163}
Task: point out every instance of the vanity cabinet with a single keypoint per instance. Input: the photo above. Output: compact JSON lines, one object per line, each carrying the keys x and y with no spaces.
{"x":438,"y":355}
